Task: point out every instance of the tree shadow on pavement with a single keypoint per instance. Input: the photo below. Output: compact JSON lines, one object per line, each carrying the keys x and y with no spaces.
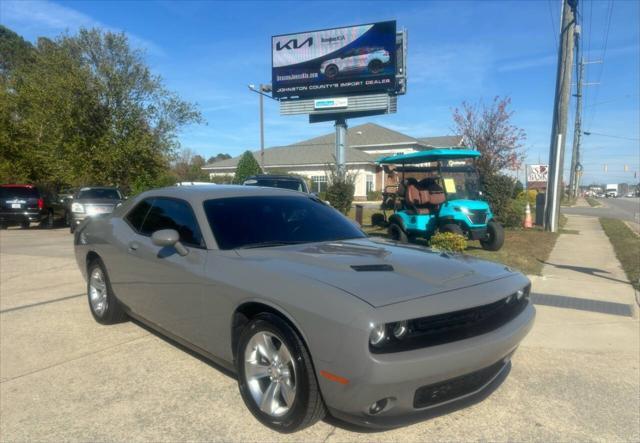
{"x":585,"y":270}
{"x":206,"y":360}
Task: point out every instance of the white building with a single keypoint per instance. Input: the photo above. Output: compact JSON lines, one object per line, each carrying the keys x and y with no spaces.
{"x":366,"y":143}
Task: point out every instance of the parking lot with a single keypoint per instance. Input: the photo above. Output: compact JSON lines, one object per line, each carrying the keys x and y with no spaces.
{"x":65,"y":377}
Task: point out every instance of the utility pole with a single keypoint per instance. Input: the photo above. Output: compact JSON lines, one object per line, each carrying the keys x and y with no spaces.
{"x":261,"y":130}
{"x":560,"y":113}
{"x":575,"y":153}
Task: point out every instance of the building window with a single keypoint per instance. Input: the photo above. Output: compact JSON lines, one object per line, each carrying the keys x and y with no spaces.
{"x":370,"y":187}
{"x":318,"y":183}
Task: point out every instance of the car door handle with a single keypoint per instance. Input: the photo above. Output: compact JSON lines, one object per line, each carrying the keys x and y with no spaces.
{"x":133,"y":246}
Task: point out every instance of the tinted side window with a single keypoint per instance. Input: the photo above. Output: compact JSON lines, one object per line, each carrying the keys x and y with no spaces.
{"x":137,"y":215}
{"x":168,"y":213}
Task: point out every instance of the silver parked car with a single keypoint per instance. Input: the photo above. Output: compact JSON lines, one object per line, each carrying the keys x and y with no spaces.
{"x":311,"y":315}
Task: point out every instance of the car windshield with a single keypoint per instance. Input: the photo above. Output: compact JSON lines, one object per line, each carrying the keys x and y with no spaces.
{"x":18,"y":192}
{"x":461,"y":182}
{"x":98,"y":193}
{"x":276,"y":183}
{"x":263,"y":221}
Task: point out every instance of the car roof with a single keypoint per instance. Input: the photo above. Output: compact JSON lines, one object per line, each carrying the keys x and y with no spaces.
{"x":86,"y":188}
{"x":197,"y":194}
{"x":273,"y":176}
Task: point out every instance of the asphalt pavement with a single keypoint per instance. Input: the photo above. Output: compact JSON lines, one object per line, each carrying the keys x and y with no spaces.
{"x":623,"y":208}
{"x":63,"y":377}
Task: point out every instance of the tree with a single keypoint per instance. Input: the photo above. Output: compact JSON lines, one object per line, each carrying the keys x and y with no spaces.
{"x":340,"y":188}
{"x":489,"y":130}
{"x":188,"y":167}
{"x":86,"y":109}
{"x":247,"y":166}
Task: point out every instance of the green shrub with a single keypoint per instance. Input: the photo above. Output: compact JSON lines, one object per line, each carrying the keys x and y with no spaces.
{"x":374,"y":195}
{"x":529,"y":195}
{"x":247,"y":166}
{"x":340,"y":195}
{"x":498,"y":190}
{"x":448,"y":241}
{"x":512,"y":215}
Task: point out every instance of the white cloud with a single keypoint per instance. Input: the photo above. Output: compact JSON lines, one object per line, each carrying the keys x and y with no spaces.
{"x":45,"y":18}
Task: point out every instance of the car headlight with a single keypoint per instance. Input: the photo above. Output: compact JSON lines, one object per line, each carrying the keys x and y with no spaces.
{"x":378,"y":334}
{"x":77,"y":207}
{"x":400,"y":329}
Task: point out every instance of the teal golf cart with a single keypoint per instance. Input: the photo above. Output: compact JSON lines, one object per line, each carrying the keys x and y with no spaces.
{"x":439,"y":190}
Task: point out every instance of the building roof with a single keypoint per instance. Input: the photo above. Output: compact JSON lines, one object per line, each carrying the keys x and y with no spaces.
{"x":321,"y":150}
{"x":297,"y":155}
{"x":442,"y":141}
{"x":368,"y":134}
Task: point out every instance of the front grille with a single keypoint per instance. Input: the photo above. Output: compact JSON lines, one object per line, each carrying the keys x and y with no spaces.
{"x":447,"y":390}
{"x":453,"y":326}
{"x":478,"y":216}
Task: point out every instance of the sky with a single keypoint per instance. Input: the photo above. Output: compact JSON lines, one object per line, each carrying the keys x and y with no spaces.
{"x":208,"y":52}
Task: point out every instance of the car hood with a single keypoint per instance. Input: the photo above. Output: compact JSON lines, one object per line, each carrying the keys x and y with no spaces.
{"x":378,"y":272}
{"x":96,"y":201}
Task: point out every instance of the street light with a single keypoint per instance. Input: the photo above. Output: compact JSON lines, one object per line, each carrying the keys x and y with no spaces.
{"x":262,"y":89}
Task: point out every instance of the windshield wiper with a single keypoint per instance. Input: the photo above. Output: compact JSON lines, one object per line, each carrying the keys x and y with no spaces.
{"x":267,"y":244}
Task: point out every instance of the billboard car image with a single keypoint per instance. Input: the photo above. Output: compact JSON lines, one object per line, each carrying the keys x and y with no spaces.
{"x":355,"y":59}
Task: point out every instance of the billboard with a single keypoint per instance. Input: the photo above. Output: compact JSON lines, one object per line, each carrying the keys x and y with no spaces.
{"x":350,"y":60}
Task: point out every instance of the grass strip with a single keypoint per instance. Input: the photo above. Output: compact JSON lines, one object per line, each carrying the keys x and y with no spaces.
{"x":626,"y":245}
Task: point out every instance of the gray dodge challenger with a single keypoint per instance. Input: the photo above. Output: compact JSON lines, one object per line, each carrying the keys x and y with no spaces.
{"x":311,"y":315}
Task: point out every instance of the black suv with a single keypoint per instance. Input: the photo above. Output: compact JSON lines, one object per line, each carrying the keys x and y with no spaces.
{"x":26,"y":204}
{"x":278,"y":181}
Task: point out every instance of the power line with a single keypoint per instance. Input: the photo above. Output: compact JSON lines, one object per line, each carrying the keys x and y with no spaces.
{"x":611,"y":136}
{"x":553,"y":25}
{"x":604,"y":54}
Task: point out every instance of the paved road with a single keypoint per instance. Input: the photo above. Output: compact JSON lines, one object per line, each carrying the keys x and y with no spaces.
{"x":627,"y":209}
{"x":63,"y":377}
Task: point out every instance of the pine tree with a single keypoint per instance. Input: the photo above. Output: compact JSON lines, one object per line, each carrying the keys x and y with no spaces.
{"x":247,"y":166}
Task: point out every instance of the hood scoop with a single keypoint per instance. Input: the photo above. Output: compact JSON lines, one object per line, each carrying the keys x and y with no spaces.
{"x":372,"y":268}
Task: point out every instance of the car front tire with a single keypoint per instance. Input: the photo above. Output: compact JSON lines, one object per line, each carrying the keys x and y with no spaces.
{"x":276,"y":376}
{"x":375,"y":66}
{"x":495,"y":236}
{"x":397,"y":233}
{"x":104,"y":306}
{"x":331,"y":71}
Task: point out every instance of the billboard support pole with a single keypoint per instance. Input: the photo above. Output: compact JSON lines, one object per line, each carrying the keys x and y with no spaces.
{"x":341,"y":142}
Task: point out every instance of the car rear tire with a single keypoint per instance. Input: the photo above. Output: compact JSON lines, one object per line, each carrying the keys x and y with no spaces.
{"x":375,"y":66}
{"x":378,"y":219}
{"x":453,"y":228}
{"x":276,"y":376}
{"x":104,"y":306}
{"x":331,"y":71}
{"x":495,"y":236}
{"x":397,"y":233}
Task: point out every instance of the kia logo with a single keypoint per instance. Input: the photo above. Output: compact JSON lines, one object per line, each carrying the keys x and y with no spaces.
{"x":293,"y":44}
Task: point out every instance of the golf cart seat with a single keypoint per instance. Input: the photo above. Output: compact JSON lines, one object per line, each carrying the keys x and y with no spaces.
{"x":416,"y":200}
{"x":436,"y":193}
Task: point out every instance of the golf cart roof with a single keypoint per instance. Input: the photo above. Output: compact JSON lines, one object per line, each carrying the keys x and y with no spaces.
{"x":429,"y":156}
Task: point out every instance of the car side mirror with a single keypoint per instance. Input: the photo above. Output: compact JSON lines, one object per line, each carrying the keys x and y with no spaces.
{"x":169,"y":238}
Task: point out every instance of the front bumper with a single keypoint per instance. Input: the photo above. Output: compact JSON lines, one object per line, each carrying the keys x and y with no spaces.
{"x":450,"y":376}
{"x":11,"y":218}
{"x":77,"y":218}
